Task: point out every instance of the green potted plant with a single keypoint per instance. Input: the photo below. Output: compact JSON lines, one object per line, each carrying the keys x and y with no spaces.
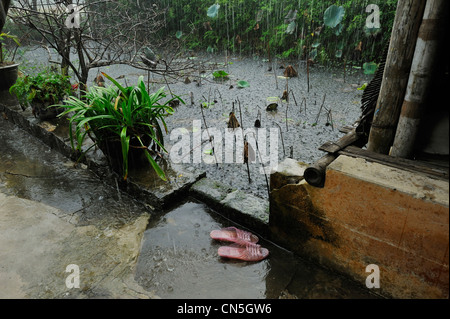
{"x":126,"y":123}
{"x":42,"y":91}
{"x":8,"y":69}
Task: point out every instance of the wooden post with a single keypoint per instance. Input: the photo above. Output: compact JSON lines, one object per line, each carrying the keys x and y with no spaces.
{"x":398,"y":65}
{"x":433,"y":26}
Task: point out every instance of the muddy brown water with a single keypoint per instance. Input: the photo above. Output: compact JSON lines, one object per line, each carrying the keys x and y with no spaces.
{"x":178,"y":259}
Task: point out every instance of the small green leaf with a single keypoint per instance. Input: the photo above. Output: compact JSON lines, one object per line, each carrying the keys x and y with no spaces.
{"x":179,"y":34}
{"x":363,"y":87}
{"x":220,"y":74}
{"x":243,"y":84}
{"x":291,"y":27}
{"x":313,"y":54}
{"x":371,"y":31}
{"x":333,"y":16}
{"x":315,"y":44}
{"x":213,"y":11}
{"x":273,"y":99}
{"x":339,"y":29}
{"x":370,"y":68}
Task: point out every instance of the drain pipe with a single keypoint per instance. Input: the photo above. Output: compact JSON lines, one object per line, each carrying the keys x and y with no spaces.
{"x":315,"y":174}
{"x":425,"y":60}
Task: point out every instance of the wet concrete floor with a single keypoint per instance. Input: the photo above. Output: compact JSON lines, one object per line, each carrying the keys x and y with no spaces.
{"x":124,"y":250}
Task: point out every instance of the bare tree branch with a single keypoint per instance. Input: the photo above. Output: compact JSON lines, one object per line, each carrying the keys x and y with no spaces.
{"x":109,"y":32}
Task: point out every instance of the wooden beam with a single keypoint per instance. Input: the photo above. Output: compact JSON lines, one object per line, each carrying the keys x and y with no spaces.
{"x":428,"y":169}
{"x":348,"y":139}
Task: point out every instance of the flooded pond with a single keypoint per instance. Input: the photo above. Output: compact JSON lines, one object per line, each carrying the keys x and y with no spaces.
{"x":296,"y":129}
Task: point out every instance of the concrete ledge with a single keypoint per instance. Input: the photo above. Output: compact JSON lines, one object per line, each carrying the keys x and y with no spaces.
{"x":248,"y":210}
{"x":370,"y":213}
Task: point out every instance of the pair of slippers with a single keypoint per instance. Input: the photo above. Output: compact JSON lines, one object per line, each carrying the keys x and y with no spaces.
{"x":244,"y":245}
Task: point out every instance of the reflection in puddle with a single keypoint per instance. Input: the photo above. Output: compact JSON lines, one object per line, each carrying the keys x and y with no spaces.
{"x":179,"y":260}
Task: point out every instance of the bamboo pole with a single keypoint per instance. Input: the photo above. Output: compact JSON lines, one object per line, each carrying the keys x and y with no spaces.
{"x":433,"y":26}
{"x":407,"y":21}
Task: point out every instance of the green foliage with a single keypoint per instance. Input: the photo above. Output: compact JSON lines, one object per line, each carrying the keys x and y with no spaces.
{"x":46,"y":86}
{"x":363,"y":87}
{"x":220,"y":74}
{"x":124,"y":113}
{"x":243,"y":84}
{"x":288,"y":28}
{"x":333,"y":16}
{"x":3,"y":37}
{"x":213,"y":11}
{"x":370,"y":68}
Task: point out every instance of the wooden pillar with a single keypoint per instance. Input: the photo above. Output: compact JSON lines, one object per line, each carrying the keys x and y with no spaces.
{"x":407,"y":21}
{"x":433,"y":27}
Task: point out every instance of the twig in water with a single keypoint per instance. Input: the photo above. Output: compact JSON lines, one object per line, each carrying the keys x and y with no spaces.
{"x":240,"y":113}
{"x":292,"y":93}
{"x":330,"y":119}
{"x":265,"y":175}
{"x":307,"y":75}
{"x":320,"y":110}
{"x":303,"y":101}
{"x":246,"y":146}
{"x":220,"y":95}
{"x":275,"y":74}
{"x":287,"y":107}
{"x":207,"y":130}
{"x":191,"y":95}
{"x":282,"y":140}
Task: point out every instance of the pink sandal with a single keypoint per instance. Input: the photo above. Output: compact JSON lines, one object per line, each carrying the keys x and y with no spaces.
{"x":235,"y":235}
{"x":249,"y":252}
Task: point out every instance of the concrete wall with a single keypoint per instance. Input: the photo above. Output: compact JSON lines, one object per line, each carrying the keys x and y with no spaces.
{"x":367,"y":213}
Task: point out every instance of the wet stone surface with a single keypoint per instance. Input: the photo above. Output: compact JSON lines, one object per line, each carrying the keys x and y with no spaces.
{"x":53,"y":214}
{"x":31,"y":170}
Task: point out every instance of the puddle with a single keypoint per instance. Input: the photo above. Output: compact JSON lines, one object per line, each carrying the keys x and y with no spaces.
{"x":178,"y":260}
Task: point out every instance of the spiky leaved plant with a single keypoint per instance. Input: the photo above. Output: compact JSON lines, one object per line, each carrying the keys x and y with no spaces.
{"x":127,"y":114}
